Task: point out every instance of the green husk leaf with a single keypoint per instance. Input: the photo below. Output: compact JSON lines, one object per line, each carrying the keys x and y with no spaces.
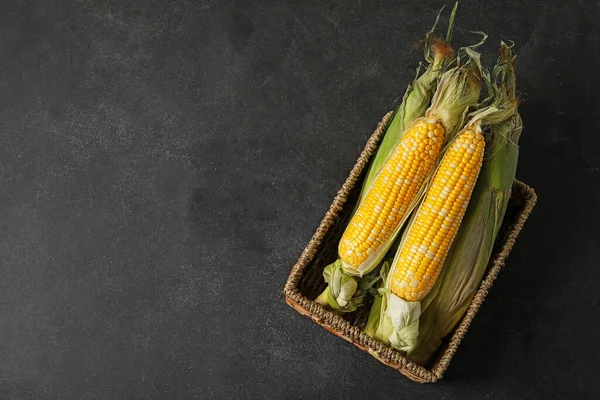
{"x":345,"y":293}
{"x":404,"y":318}
{"x":451,"y":23}
{"x":374,"y":313}
{"x":379,"y":324}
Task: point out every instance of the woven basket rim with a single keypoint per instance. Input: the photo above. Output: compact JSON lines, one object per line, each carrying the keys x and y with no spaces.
{"x":340,"y":327}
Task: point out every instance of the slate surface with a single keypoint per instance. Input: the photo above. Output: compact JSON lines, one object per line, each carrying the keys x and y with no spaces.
{"x":162,"y":165}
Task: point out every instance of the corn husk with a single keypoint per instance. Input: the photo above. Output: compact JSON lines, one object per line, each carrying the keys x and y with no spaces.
{"x":468,"y":259}
{"x":345,"y":293}
{"x":346,"y":290}
{"x":399,"y":319}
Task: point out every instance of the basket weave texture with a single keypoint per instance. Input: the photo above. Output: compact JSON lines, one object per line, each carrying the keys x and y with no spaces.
{"x":306,"y":282}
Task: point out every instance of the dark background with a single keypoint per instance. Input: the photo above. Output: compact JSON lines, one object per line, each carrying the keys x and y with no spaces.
{"x":163,"y":164}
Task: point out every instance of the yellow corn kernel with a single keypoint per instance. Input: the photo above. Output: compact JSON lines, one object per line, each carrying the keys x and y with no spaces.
{"x":391,"y":194}
{"x":438,"y":219}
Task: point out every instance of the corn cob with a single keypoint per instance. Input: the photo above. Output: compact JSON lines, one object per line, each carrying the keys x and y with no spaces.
{"x":469,"y":257}
{"x":432,"y":230}
{"x":342,"y":294}
{"x":392,"y":195}
{"x":399,"y":182}
{"x":433,"y":227}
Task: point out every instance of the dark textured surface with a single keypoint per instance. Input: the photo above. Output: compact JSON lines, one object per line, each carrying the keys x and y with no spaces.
{"x":162,"y":164}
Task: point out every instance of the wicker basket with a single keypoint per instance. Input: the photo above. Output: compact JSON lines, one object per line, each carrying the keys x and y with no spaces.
{"x":306,"y":280}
